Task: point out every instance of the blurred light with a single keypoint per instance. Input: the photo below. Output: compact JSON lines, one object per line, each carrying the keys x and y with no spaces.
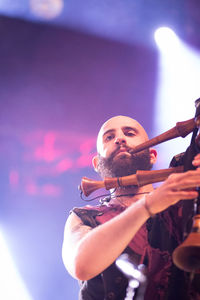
{"x":11,"y":285}
{"x":166,"y":39}
{"x":134,"y":284}
{"x":64,"y":165}
{"x":47,"y":9}
{"x":14,"y":178}
{"x":129,"y":269}
{"x":47,"y":151}
{"x":84,"y":160}
{"x":51,"y":190}
{"x":31,"y":188}
{"x":178,"y":88}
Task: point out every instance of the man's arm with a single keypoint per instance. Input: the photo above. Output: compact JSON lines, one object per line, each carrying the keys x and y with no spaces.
{"x":87,"y":252}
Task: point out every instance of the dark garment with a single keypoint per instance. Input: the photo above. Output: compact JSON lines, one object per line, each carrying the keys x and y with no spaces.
{"x":152,"y":245}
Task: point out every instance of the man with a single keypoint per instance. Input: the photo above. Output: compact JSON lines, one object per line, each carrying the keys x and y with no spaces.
{"x":96,"y":236}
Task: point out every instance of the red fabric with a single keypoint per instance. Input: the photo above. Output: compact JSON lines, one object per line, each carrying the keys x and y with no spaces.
{"x":159,"y":262}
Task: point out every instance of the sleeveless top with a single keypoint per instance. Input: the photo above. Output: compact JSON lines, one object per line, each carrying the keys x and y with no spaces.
{"x":152,"y":246}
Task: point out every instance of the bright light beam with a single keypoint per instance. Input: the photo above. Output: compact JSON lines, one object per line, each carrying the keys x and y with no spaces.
{"x":166,"y":39}
{"x":11,"y":285}
{"x":178,"y":88}
{"x":47,"y":9}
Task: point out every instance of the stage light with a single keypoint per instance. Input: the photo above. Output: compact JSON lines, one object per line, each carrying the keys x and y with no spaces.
{"x":47,"y":9}
{"x":11,"y":284}
{"x":166,"y":39}
{"x":177,"y":89}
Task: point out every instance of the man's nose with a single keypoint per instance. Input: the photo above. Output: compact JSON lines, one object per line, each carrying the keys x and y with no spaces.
{"x":120,"y":140}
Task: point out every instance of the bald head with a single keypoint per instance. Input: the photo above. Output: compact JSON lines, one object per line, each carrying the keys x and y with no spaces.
{"x":116,"y":138}
{"x":119,"y":125}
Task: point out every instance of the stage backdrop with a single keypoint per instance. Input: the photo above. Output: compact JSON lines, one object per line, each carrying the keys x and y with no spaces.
{"x":56,"y":89}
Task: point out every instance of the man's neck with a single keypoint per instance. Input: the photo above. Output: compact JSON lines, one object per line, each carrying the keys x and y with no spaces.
{"x":129,"y":195}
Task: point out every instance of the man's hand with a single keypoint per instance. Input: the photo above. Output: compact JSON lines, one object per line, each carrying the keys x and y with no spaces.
{"x":196,"y":161}
{"x":179,"y":186}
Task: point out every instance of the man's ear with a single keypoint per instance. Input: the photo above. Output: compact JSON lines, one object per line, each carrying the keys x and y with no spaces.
{"x":95,"y":162}
{"x":153,"y":155}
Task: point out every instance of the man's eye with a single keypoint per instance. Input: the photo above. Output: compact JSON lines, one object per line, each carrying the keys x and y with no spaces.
{"x":108,"y":138}
{"x":130,"y":133}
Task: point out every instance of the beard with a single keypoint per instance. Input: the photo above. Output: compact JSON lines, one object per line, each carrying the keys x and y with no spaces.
{"x":124,"y":165}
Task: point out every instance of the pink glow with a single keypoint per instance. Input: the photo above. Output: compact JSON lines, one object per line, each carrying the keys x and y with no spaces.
{"x":14,"y":178}
{"x":87,"y":146}
{"x":87,"y":153}
{"x":84,"y":161}
{"x":47,"y":151}
{"x":50,"y":146}
{"x":48,"y":154}
{"x":51,"y":190}
{"x":32,"y":188}
{"x":45,"y":190}
{"x":64,"y":165}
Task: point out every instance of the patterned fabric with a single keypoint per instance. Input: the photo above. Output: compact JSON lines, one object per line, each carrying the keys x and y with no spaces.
{"x":152,"y":245}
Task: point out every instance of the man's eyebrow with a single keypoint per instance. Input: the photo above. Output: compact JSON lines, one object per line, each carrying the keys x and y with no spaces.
{"x":123,"y":128}
{"x":130,"y":128}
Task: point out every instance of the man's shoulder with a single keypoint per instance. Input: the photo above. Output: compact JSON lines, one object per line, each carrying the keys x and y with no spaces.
{"x":88,"y":213}
{"x":88,"y":209}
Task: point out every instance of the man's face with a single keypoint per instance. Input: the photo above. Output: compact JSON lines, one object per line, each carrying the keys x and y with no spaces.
{"x":117,"y":137}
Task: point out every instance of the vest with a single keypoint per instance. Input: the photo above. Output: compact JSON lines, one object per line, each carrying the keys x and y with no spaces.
{"x":153,"y":246}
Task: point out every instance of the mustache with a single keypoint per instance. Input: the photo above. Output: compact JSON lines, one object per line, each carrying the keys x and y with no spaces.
{"x":128,"y":149}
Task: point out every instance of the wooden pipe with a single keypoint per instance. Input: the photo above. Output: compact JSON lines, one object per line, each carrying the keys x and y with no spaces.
{"x":181,"y":129}
{"x":141,"y":178}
